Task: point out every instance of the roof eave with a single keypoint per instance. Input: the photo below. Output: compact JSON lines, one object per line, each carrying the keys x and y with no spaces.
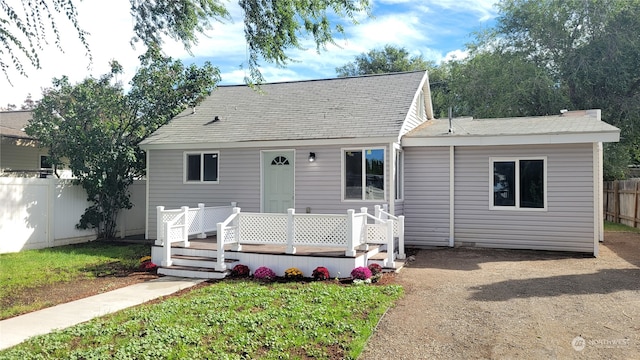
{"x":526,"y":139}
{"x":268,"y":144}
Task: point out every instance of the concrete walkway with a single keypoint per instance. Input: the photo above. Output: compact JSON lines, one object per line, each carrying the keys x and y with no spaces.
{"x":18,"y":329}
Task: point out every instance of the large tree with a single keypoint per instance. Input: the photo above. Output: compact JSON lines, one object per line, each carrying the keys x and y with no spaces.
{"x":95,"y":127}
{"x":543,"y":56}
{"x":390,"y":59}
{"x":271,"y":27}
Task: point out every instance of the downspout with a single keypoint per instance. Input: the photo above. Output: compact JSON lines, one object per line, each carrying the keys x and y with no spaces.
{"x":451,"y":195}
{"x":597,"y":196}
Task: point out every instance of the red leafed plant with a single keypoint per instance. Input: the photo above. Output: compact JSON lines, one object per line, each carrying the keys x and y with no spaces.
{"x":240,"y":271}
{"x":148,"y":266}
{"x":321,"y":273}
{"x":375,"y":269}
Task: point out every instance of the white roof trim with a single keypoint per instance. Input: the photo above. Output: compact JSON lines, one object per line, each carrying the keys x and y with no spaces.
{"x":270,"y":144}
{"x":532,"y":139}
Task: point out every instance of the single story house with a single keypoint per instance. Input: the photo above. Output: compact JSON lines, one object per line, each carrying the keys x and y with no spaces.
{"x":325,"y":146}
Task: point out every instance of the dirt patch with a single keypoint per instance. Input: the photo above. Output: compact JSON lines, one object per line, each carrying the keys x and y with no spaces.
{"x":497,"y":304}
{"x":54,"y":294}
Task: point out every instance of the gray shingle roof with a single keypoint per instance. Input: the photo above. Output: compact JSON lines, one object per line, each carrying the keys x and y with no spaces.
{"x":12,"y":123}
{"x":355,"y":107}
{"x":575,"y":122}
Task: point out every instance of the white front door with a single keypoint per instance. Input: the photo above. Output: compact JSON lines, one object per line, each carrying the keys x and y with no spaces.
{"x":277,"y":181}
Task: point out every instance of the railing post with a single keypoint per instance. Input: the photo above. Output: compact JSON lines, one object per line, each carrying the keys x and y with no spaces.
{"x":202,"y":234}
{"x":401,"y":253}
{"x":376,"y":212}
{"x":159,"y":225}
{"x":220,"y":265}
{"x":167,"y":247}
{"x":365,"y":246}
{"x":290,"y":232}
{"x":234,"y":204}
{"x":185,"y":226}
{"x":351,"y":234}
{"x":236,"y":246}
{"x":390,"y":241}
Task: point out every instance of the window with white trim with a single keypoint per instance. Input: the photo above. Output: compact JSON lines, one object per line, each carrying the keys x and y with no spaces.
{"x":201,"y":167}
{"x":518,"y":183}
{"x":364,"y":174}
{"x":399,"y":172}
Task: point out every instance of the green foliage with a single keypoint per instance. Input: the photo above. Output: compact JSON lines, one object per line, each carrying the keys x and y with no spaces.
{"x":544,"y":56}
{"x":33,"y":268}
{"x":23,"y":32}
{"x":229,"y":320}
{"x":388,"y":60}
{"x":271,"y":27}
{"x":611,"y":226}
{"x":96,"y":127}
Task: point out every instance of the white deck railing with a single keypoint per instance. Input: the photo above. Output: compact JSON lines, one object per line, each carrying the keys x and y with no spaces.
{"x":398,"y":227}
{"x":350,"y":231}
{"x":176,"y":225}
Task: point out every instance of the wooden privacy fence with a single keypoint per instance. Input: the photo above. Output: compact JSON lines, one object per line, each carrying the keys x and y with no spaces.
{"x":621,"y":201}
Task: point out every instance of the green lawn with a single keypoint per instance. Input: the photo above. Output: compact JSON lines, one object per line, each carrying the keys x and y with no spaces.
{"x":611,"y":226}
{"x":33,"y":268}
{"x":228,"y":320}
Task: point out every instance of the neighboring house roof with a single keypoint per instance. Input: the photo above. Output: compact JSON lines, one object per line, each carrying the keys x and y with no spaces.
{"x":570,"y":127}
{"x":366,"y":107}
{"x":12,"y":123}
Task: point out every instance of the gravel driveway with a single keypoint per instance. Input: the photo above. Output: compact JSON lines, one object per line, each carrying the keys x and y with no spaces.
{"x":507,"y":304}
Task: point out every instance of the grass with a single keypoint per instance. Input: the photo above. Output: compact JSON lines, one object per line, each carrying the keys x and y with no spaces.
{"x":30,"y":269}
{"x":228,"y":320}
{"x":611,"y":226}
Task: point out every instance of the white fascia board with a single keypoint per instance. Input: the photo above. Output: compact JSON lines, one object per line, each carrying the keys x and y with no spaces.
{"x":537,"y":139}
{"x":270,"y":144}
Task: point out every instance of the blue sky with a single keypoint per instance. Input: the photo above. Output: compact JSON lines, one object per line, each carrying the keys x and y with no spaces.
{"x":437,"y":29}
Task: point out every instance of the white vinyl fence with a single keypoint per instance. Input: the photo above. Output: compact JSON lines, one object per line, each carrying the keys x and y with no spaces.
{"x":41,"y":213}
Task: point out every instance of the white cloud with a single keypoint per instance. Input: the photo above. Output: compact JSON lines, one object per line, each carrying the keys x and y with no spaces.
{"x":432,"y":28}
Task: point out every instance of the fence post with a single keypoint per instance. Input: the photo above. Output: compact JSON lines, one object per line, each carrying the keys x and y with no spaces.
{"x":202,"y":234}
{"x":185,"y":226}
{"x":390,"y":241}
{"x":351,"y":234}
{"x":635,"y":207}
{"x":616,"y":202}
{"x":290,"y":231}
{"x":220,"y":265}
{"x":401,"y":253}
{"x":159,"y":226}
{"x":167,"y":247}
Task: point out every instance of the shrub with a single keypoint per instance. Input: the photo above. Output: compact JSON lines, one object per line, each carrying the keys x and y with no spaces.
{"x":264,"y":273}
{"x":148,"y":266}
{"x":240,"y":271}
{"x":321,"y":273}
{"x":361,"y":273}
{"x":145,"y":259}
{"x":375,"y":269}
{"x":293,"y":273}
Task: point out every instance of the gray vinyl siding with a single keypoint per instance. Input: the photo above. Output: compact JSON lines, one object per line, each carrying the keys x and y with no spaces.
{"x":17,"y":157}
{"x":239,"y":180}
{"x":426,"y":196}
{"x":317,"y":185}
{"x":567,"y":225}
